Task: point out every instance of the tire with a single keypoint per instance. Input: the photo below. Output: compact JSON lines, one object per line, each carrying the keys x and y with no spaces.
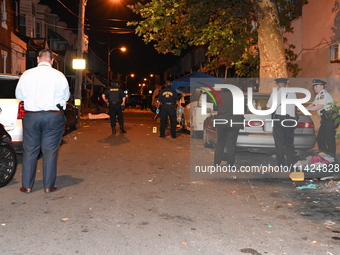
{"x":206,"y":142}
{"x":184,"y":126}
{"x":8,"y":164}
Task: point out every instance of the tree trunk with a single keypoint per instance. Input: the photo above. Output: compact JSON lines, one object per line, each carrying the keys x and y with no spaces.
{"x":270,"y":42}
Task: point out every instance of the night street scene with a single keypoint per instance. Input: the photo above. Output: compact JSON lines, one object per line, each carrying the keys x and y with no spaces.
{"x":170,"y":127}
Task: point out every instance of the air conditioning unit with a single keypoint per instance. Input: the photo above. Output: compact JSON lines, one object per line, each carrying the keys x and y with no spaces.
{"x":334,"y":54}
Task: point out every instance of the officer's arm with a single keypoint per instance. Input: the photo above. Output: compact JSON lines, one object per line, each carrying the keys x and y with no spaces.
{"x":123,"y":100}
{"x":314,"y":107}
{"x":104,"y":97}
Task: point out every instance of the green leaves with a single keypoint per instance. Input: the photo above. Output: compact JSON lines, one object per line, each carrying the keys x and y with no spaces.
{"x":225,"y":27}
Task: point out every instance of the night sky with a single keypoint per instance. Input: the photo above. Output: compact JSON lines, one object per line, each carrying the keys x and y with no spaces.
{"x":140,"y":59}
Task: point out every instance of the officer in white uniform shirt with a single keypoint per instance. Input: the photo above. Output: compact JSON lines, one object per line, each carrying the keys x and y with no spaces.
{"x":283,"y":133}
{"x":326,"y":135}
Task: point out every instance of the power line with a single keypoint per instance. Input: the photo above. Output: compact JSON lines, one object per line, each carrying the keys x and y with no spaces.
{"x":68,"y":9}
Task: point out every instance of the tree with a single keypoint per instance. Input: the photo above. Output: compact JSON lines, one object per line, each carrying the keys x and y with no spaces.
{"x":235,"y":32}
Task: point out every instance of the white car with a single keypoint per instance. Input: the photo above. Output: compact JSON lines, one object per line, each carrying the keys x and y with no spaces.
{"x":257,"y":135}
{"x":193,"y":118}
{"x":11,"y":110}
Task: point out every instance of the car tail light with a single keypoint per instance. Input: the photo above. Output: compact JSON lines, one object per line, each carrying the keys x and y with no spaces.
{"x":254,"y":123}
{"x":21,"y":110}
{"x":305,"y":125}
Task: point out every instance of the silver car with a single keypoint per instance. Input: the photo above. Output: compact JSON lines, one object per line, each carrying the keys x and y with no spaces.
{"x":257,"y":133}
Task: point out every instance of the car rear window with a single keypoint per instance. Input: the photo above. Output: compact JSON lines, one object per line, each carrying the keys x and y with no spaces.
{"x":7,"y":88}
{"x":259,"y":102}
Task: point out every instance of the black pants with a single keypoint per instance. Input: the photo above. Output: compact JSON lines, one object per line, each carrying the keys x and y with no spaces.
{"x":226,"y":136}
{"x":114,"y":111}
{"x":284,"y":142}
{"x":165,"y":111}
{"x":326,"y":136}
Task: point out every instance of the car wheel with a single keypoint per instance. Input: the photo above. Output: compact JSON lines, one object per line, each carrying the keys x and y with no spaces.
{"x":8,"y":164}
{"x":206,"y":142}
{"x":184,"y":126}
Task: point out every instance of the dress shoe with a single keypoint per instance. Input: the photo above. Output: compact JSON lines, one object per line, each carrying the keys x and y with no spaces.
{"x":113,"y":130}
{"x":50,"y":190}
{"x":25,"y":190}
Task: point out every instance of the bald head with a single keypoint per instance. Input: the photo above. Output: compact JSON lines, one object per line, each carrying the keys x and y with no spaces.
{"x":45,"y":55}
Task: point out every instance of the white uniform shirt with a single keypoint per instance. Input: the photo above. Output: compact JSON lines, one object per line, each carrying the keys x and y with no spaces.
{"x":323,"y":97}
{"x":42,"y":88}
{"x":290,"y":107}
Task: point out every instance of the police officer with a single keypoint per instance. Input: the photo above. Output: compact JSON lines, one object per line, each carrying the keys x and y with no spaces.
{"x":168,"y":99}
{"x":227,"y":133}
{"x":283,"y":127}
{"x":115,"y":96}
{"x":326,"y":135}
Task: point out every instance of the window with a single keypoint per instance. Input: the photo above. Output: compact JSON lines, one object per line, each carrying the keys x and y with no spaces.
{"x":38,"y":28}
{"x":334,"y":54}
{"x":3,"y":15}
{"x":16,"y":17}
{"x":22,"y":24}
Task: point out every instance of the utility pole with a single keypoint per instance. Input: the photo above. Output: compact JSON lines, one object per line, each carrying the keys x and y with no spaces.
{"x":81,"y":35}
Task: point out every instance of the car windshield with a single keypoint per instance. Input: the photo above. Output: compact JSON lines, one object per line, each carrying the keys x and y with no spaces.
{"x":7,"y":88}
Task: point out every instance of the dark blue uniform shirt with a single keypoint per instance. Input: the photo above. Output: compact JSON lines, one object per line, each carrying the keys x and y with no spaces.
{"x":168,"y":95}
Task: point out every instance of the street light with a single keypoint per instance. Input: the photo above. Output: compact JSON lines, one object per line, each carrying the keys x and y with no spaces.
{"x":80,"y":51}
{"x":126,"y":80}
{"x":148,"y":85}
{"x":123,"y":49}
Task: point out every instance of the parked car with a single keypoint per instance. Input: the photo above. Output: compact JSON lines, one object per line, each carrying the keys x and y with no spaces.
{"x":72,"y":116}
{"x":11,"y":110}
{"x":257,"y":133}
{"x":192,"y":117}
{"x":8,"y":158}
{"x":134,"y":100}
{"x":184,"y":100}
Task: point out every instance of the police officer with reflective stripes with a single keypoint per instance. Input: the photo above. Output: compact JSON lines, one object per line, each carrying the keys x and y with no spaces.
{"x":115,"y":96}
{"x":326,"y":135}
{"x":168,"y":98}
{"x":283,"y":132}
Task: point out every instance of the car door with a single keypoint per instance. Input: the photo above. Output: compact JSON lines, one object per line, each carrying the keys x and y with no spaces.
{"x":9,"y":106}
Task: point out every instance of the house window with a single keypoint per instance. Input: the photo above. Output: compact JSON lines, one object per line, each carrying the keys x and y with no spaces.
{"x":16,"y":17}
{"x":334,"y":54}
{"x":38,"y":28}
{"x":22,"y":24}
{"x":3,"y":15}
{"x":4,"y":55}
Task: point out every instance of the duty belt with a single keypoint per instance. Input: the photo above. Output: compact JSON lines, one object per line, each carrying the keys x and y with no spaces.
{"x":282,"y":117}
{"x":55,"y":111}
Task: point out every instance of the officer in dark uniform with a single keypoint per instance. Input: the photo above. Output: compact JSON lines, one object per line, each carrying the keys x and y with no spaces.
{"x":326,"y":135}
{"x":284,"y":133}
{"x":227,"y":133}
{"x":115,"y":96}
{"x":168,"y":99}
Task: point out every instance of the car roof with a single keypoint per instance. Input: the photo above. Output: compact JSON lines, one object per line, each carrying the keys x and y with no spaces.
{"x":219,"y":90}
{"x":8,"y":77}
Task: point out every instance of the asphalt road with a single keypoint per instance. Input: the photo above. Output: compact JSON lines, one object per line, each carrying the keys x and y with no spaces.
{"x":133,"y":194}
